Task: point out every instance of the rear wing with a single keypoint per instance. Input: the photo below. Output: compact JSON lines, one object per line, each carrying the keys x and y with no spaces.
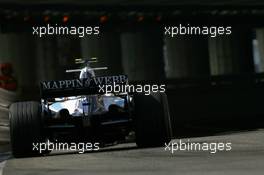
{"x":76,"y":87}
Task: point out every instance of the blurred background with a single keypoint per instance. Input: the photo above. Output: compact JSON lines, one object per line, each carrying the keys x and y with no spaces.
{"x":213,"y":84}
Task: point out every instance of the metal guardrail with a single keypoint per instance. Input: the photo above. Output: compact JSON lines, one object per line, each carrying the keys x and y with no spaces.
{"x":6,"y":98}
{"x":4,"y":126}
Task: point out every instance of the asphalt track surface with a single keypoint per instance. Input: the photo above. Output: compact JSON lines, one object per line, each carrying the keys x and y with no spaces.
{"x":245,"y":158}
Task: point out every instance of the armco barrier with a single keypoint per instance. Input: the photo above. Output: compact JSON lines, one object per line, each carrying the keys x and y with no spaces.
{"x":6,"y":98}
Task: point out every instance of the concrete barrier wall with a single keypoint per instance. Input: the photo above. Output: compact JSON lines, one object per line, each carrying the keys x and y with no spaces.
{"x":6,"y":98}
{"x":221,"y":107}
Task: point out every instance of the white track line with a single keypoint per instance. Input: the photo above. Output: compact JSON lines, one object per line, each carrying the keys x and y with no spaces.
{"x":3,"y":158}
{"x":2,"y":165}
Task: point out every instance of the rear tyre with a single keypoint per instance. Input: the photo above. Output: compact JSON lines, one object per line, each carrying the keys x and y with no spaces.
{"x":152,"y":120}
{"x":25,"y":128}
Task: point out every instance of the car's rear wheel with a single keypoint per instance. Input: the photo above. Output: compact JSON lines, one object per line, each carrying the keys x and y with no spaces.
{"x":25,"y":128}
{"x":152,"y":120}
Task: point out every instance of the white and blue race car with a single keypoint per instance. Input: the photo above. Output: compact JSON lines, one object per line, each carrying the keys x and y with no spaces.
{"x":76,"y":111}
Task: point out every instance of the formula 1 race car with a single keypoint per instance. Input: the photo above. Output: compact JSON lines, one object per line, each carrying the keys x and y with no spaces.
{"x":77,"y":111}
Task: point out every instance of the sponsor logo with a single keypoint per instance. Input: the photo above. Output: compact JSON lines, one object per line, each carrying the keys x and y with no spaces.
{"x":83,"y":83}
